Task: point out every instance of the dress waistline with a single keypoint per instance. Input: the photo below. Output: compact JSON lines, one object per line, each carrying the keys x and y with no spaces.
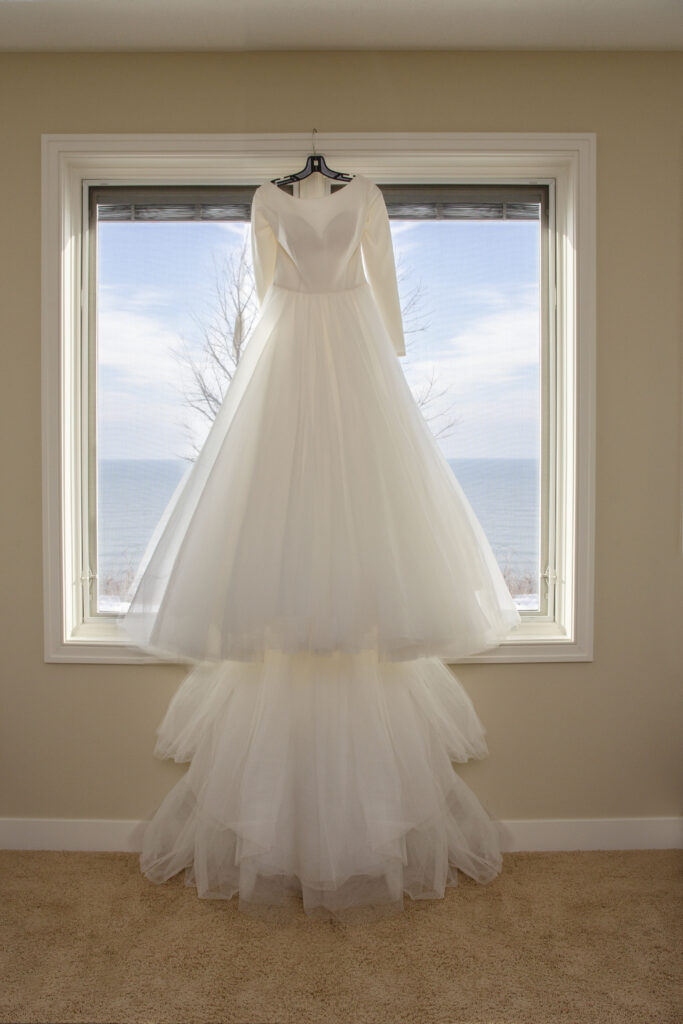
{"x":335,"y":291}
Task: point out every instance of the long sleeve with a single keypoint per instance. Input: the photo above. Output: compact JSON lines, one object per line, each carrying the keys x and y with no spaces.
{"x":263,"y":249}
{"x":380,"y":268}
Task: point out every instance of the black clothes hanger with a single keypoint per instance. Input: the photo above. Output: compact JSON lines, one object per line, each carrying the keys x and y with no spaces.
{"x":315,"y":162}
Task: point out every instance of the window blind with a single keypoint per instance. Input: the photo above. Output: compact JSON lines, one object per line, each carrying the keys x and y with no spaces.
{"x":233,"y":202}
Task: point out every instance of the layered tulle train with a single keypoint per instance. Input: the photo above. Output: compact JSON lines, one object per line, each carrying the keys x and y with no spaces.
{"x":327,"y":777}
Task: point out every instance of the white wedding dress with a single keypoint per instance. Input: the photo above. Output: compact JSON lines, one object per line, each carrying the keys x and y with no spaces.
{"x":317,"y":564}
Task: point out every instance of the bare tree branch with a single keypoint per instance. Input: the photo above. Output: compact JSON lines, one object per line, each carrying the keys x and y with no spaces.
{"x":221,"y":338}
{"x":225,"y":330}
{"x":412,"y":314}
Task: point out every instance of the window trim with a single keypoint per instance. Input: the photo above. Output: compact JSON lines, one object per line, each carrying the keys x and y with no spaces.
{"x":70,"y":163}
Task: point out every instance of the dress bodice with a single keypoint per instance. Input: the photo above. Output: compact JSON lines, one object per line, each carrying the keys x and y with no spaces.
{"x":327,"y":243}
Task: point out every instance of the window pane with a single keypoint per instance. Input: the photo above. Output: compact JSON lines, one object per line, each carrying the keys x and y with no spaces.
{"x":159,"y":301}
{"x":470,"y":291}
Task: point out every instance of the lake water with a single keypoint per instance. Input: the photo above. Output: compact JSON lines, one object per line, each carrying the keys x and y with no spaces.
{"x":132,"y":495}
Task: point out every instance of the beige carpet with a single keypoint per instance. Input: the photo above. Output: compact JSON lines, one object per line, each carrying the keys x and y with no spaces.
{"x":557,"y":937}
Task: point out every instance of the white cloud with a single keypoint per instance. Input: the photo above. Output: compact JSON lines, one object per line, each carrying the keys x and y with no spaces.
{"x":140,"y":405}
{"x":237,"y":228}
{"x":137,"y":345}
{"x":488,"y":374}
{"x":142,"y":297}
{"x":495,"y":348}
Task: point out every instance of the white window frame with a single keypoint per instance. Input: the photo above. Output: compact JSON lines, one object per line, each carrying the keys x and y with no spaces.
{"x":71,"y":163}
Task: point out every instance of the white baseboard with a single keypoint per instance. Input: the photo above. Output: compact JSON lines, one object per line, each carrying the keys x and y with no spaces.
{"x":590,"y":834}
{"x":534,"y":836}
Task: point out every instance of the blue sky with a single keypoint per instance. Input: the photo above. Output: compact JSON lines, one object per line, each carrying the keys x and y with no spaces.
{"x":479,"y":296}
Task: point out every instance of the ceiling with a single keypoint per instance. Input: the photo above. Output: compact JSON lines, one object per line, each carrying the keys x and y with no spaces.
{"x":241,"y":25}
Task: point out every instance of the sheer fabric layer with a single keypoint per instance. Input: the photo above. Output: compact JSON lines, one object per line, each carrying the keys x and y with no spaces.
{"x":320,"y":515}
{"x":329,"y":777}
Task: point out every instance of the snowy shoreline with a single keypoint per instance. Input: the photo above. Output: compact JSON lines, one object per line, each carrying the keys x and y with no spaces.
{"x":110,"y":605}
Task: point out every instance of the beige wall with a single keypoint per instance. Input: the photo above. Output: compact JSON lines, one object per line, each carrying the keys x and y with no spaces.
{"x":591,"y":739}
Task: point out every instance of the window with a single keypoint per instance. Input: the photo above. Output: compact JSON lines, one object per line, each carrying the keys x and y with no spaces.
{"x":148,"y":340}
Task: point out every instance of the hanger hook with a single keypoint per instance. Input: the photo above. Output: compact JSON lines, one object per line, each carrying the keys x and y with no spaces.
{"x":313,"y":133}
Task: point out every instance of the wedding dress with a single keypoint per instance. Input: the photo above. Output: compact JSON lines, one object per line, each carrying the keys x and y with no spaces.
{"x":316,"y":566}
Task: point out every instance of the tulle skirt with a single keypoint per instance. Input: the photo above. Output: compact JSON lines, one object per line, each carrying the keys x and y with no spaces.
{"x":326,"y":778}
{"x":320,"y":514}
